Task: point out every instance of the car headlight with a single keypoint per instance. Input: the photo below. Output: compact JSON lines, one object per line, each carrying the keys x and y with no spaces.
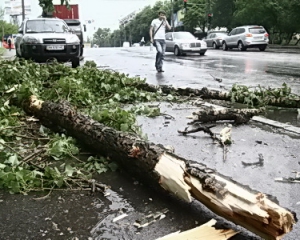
{"x":185,"y":45}
{"x":73,"y":39}
{"x":203,"y":44}
{"x":30,"y":40}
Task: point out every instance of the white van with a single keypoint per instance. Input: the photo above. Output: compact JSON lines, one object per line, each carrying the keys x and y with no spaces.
{"x":126,"y":44}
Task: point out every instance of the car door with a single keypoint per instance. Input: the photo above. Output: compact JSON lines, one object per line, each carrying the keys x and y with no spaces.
{"x":169,"y":42}
{"x":240,"y":32}
{"x":230,"y":38}
{"x":208,"y":40}
{"x":211,"y":39}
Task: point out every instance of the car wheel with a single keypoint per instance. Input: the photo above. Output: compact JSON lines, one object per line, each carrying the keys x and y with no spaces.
{"x":81,"y":51}
{"x":215,"y":46}
{"x":263,"y":48}
{"x":202,"y":53}
{"x":17,"y":53}
{"x":75,"y":63}
{"x":224,"y":46}
{"x":241,"y":46}
{"x":177,"y":51}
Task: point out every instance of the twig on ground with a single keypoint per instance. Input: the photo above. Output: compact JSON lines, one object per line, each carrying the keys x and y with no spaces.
{"x":259,"y":163}
{"x":44,"y":197}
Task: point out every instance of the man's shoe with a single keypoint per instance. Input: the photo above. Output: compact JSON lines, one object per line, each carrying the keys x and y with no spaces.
{"x":160,"y":70}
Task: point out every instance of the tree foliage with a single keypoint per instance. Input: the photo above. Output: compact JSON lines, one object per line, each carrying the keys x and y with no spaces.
{"x":281,"y":18}
{"x":47,"y":5}
{"x":196,"y":15}
{"x":8,"y":28}
{"x":102,"y":37}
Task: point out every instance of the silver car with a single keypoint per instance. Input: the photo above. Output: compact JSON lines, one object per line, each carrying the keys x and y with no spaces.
{"x":42,"y":39}
{"x":184,"y":42}
{"x":244,"y":37}
{"x":215,"y":39}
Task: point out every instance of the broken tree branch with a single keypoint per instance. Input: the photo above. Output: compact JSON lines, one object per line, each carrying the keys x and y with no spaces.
{"x":211,"y":114}
{"x":152,"y":163}
{"x":205,"y":93}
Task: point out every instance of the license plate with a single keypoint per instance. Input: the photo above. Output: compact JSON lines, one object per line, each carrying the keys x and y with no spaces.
{"x":55,"y":47}
{"x":258,"y":37}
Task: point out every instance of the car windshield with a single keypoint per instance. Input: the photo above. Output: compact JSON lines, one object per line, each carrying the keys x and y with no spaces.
{"x":42,"y":26}
{"x":183,"y":35}
{"x":257,"y":30}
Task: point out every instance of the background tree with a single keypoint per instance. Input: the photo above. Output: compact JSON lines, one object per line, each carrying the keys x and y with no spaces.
{"x":5,"y":27}
{"x":223,"y":13}
{"x":102,"y":37}
{"x":196,"y":15}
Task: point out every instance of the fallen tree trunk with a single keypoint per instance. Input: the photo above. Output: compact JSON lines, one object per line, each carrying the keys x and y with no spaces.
{"x":205,"y":93}
{"x":245,"y":207}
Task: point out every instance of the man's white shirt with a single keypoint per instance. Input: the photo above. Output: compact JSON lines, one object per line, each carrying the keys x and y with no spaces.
{"x":160,"y":34}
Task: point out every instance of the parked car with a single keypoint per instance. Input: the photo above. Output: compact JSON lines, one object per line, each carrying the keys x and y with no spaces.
{"x":75,"y":26}
{"x":244,"y":37}
{"x":42,"y":39}
{"x":215,"y":39}
{"x":184,"y":42}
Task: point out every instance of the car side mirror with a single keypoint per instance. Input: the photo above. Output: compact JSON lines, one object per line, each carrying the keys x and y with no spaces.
{"x":20,"y":31}
{"x":84,"y":27}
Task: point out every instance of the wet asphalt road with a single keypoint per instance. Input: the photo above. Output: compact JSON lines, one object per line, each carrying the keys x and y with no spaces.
{"x":251,"y":68}
{"x":80,"y":216}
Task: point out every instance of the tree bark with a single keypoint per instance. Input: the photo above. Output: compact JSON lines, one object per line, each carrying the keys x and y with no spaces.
{"x":185,"y":179}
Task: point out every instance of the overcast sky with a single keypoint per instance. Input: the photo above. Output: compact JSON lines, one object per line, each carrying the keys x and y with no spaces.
{"x":105,"y":13}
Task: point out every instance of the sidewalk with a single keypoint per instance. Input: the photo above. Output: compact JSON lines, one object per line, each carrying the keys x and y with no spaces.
{"x":277,"y":46}
{"x":8,"y":55}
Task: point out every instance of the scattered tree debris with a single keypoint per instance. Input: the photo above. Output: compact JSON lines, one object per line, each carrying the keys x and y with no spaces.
{"x":151,"y":218}
{"x":216,"y":79}
{"x":225,"y":135}
{"x":205,"y":231}
{"x":259,"y":163}
{"x":167,"y":171}
{"x":295,"y":179}
{"x":211,"y":114}
{"x":119,"y":217}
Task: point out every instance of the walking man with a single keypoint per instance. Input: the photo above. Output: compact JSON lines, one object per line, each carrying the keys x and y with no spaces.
{"x":159,"y":26}
{"x":9,"y":42}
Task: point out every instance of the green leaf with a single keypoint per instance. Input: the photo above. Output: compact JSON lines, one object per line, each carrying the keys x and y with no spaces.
{"x":124,"y":127}
{"x":69,"y":170}
{"x":13,"y":160}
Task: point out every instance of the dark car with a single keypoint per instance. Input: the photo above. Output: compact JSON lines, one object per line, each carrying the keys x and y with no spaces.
{"x":215,"y":39}
{"x":76,"y":27}
{"x":42,"y":39}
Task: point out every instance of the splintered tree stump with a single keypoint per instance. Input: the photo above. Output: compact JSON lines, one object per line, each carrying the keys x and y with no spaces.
{"x":185,"y":179}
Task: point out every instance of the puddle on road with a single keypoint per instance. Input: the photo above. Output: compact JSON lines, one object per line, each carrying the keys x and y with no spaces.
{"x":288,"y":116}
